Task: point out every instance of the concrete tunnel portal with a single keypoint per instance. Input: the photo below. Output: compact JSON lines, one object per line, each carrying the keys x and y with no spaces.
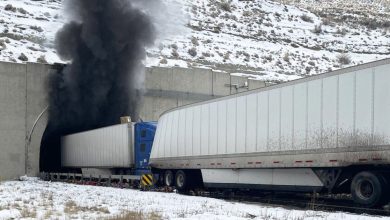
{"x":29,"y":144}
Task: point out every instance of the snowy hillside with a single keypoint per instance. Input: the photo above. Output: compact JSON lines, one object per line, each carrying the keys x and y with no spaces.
{"x":34,"y":199}
{"x":27,"y":30}
{"x":271,"y":40}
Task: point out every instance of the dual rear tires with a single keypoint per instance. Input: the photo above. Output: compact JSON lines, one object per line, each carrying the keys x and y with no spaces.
{"x":168,"y":178}
{"x":370,"y":189}
{"x":182,"y":180}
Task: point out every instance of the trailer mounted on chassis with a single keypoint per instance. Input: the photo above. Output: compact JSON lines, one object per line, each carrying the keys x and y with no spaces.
{"x":119,"y":150}
{"x":326,"y":133}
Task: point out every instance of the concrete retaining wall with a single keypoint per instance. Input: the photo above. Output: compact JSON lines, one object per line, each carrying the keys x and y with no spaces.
{"x":169,"y":88}
{"x":23,"y":99}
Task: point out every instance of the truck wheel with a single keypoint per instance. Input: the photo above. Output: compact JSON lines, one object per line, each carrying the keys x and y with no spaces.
{"x":181,"y":180}
{"x":168,"y":178}
{"x":369,"y":189}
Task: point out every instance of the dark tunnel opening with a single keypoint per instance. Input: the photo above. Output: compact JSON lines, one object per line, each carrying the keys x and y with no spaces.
{"x":50,"y":154}
{"x":50,"y":149}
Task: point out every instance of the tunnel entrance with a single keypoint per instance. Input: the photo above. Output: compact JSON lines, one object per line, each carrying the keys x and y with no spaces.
{"x":50,"y":153}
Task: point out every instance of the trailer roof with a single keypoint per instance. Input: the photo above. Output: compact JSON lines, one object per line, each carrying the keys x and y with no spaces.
{"x":292,"y":82}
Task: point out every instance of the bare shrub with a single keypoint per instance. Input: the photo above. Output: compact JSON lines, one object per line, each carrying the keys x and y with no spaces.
{"x":307,"y":18}
{"x":226,"y":56}
{"x":174,"y":46}
{"x":246,"y":13}
{"x":317,"y":29}
{"x":164,"y":61}
{"x":9,"y":7}
{"x":267,"y":58}
{"x":342,"y":31}
{"x":286,"y":57}
{"x":2,"y":45}
{"x":24,"y":58}
{"x":174,"y":53}
{"x":22,"y":10}
{"x":16,"y":37}
{"x":36,"y":28}
{"x":41,"y":59}
{"x":216,"y":29}
{"x":344,"y":59}
{"x":225,"y":6}
{"x":206,"y":54}
{"x":192,"y":52}
{"x":195,"y":41}
{"x":327,"y":21}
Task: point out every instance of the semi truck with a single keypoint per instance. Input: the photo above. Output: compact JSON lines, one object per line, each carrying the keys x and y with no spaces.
{"x":326,"y":133}
{"x":122,"y":149}
{"x":329,"y":132}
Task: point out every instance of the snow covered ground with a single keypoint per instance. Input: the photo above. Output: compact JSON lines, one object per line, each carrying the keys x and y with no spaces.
{"x":277,"y":40}
{"x":35,"y":199}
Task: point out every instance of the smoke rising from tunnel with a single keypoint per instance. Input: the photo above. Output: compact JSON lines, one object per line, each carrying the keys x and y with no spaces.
{"x":104,"y":42}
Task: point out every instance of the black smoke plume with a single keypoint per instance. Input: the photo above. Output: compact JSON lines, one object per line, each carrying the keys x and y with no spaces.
{"x":104,"y":42}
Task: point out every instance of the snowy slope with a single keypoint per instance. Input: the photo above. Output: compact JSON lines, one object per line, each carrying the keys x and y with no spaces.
{"x":274,"y":39}
{"x":29,"y":27}
{"x":270,"y":40}
{"x":34,"y":199}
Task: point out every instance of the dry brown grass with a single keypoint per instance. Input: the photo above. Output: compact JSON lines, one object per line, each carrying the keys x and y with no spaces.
{"x":129,"y":215}
{"x":72,"y":208}
{"x":27,"y":212}
{"x":48,"y":214}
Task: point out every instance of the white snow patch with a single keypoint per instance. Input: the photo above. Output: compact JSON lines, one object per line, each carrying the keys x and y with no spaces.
{"x":52,"y":200}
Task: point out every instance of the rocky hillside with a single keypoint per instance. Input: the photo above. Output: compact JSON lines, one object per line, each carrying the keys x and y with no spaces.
{"x":268,"y":40}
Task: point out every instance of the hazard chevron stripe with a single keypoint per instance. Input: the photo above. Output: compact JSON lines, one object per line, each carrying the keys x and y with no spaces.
{"x":147,"y":180}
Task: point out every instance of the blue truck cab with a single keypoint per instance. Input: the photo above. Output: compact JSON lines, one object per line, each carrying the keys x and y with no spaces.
{"x":144,"y":133}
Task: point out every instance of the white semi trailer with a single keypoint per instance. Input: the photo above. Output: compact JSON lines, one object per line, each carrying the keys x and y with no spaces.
{"x":327,"y":132}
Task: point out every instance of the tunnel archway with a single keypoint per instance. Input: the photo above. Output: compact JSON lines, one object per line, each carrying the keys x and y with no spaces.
{"x":33,"y":143}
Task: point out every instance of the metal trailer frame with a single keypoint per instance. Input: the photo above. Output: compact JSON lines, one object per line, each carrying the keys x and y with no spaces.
{"x":107,"y":179}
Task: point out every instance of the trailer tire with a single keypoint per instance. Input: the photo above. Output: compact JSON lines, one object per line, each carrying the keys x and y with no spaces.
{"x":369,"y":189}
{"x":168,"y":178}
{"x":181,"y":181}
